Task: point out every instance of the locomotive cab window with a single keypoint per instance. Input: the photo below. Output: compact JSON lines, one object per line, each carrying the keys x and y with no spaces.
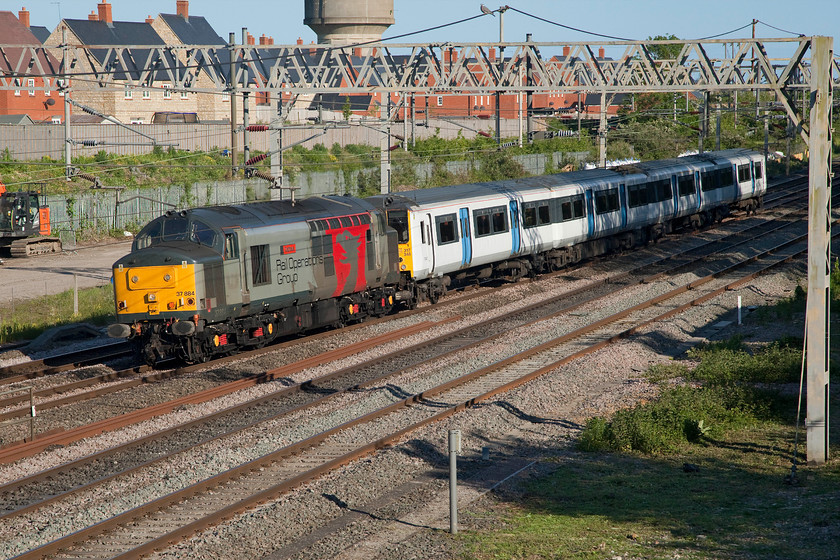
{"x":606,"y":201}
{"x":202,"y":234}
{"x":398,"y":220}
{"x":446,"y":230}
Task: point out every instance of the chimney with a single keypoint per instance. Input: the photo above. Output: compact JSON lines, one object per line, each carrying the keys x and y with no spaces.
{"x":566,"y":51}
{"x":251,"y":40}
{"x":601,"y":52}
{"x":299,"y":41}
{"x":23,"y":16}
{"x":263,"y":39}
{"x":92,"y":16}
{"x":270,"y":40}
{"x":492,"y":54}
{"x":105,"y":12}
{"x":357,"y":52}
{"x":183,"y":8}
{"x":150,"y":19}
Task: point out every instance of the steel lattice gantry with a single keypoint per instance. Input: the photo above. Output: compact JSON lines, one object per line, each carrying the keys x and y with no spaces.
{"x":781,"y":66}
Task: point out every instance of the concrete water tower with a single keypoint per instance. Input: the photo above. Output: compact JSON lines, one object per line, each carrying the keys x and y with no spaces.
{"x":343,"y":22}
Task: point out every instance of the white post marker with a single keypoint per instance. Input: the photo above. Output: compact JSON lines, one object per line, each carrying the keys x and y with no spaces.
{"x":454,"y":449}
{"x":739,"y":310}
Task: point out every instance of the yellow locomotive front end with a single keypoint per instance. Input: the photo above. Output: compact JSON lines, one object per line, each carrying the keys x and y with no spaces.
{"x":146,"y":292}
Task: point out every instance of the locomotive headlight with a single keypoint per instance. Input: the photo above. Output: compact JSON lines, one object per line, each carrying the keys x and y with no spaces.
{"x":134,"y":279}
{"x":167,"y":277}
{"x":151,"y":297}
{"x":402,"y":267}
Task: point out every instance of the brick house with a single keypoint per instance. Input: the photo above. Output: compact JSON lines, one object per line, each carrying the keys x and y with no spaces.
{"x":35,"y":96}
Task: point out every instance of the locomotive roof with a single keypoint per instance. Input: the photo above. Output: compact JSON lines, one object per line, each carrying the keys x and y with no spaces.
{"x":255,"y":214}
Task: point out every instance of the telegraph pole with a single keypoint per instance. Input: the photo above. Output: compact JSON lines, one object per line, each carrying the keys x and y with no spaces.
{"x":68,"y":160}
{"x":819,"y":252}
{"x":234,"y":152}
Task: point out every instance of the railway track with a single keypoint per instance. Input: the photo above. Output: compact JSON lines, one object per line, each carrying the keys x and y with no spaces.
{"x":427,"y":394}
{"x":668,"y":265}
{"x":179,"y":514}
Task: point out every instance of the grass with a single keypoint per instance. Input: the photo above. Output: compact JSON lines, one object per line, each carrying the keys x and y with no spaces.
{"x":625,"y":492}
{"x":29,"y":318}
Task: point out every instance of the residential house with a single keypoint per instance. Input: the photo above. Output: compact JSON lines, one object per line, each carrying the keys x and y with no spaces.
{"x":32,"y":66}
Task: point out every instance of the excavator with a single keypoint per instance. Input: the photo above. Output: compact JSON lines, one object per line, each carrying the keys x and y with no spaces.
{"x":24,"y":225}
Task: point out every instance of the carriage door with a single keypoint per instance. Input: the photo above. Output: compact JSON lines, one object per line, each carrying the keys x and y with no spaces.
{"x":466,"y":241}
{"x":428,"y":238}
{"x":622,"y":193}
{"x":514,"y":227}
{"x":590,"y":213}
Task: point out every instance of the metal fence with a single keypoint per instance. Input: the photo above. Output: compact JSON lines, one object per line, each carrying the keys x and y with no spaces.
{"x":35,"y":141}
{"x":127,"y":209}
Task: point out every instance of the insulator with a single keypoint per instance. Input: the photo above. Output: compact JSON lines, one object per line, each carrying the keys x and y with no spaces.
{"x":256,"y":127}
{"x":89,"y":142}
{"x":264,"y":175}
{"x":256,"y":159}
{"x":87,"y":110}
{"x":88,"y":176}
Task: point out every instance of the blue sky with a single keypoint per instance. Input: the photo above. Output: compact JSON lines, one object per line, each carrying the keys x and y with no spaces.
{"x":639,"y":19}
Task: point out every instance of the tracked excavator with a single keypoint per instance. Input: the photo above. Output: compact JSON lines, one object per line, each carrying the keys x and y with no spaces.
{"x":24,"y":225}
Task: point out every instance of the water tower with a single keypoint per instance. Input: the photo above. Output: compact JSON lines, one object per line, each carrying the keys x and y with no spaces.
{"x":343,"y":22}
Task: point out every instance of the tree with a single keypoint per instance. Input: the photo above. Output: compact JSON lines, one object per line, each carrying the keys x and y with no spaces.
{"x":346,"y":109}
{"x":668,"y":52}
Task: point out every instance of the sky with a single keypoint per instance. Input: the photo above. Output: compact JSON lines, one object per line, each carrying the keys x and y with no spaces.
{"x":626,"y":19}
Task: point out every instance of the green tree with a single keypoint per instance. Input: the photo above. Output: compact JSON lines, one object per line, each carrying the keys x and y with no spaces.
{"x":668,"y":52}
{"x":346,"y":109}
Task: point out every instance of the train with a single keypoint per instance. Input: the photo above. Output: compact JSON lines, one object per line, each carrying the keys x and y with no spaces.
{"x":211,"y":281}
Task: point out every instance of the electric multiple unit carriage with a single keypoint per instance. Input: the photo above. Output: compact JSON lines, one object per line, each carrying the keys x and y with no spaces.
{"x":209,"y":281}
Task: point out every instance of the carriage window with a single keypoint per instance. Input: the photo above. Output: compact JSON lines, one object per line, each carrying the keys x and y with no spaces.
{"x":637,"y":195}
{"x":529,"y":216}
{"x":710,"y":180}
{"x":758,"y":171}
{"x":566,"y":210}
{"x":578,"y":207}
{"x":398,"y":219}
{"x":231,"y":246}
{"x":744,"y":173}
{"x":499,"y":219}
{"x":543,"y":214}
{"x":659,"y":191}
{"x":482,"y":224}
{"x":726,"y":178}
{"x":446,"y":229}
{"x":606,"y":201}
{"x":685,"y":185}
{"x":259,"y":265}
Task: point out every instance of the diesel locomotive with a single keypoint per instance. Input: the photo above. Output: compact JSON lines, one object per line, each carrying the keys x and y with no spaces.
{"x":208,"y":281}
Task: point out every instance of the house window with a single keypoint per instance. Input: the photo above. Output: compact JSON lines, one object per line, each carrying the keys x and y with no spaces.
{"x":136,"y":120}
{"x":17,"y":87}
{"x":225,"y":97}
{"x":184,"y":95}
{"x":128,"y":92}
{"x":60,"y":84}
{"x":167,"y":91}
{"x":147,"y":94}
{"x":56,"y":120}
{"x":31,"y":84}
{"x":440,"y":101}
